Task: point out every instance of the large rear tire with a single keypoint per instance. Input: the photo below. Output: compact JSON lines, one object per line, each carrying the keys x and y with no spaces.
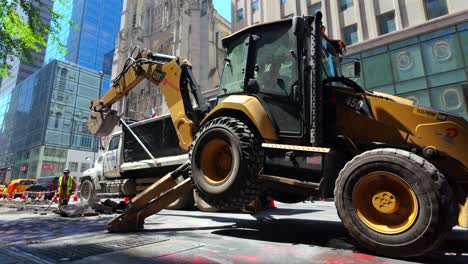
{"x":201,"y":204}
{"x":395,"y":203}
{"x":226,"y":157}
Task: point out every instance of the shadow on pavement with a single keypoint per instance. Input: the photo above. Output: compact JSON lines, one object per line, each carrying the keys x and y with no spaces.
{"x":44,"y":228}
{"x":334,"y":235}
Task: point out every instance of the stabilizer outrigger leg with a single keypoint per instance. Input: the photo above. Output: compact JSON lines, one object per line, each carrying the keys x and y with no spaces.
{"x":166,"y":191}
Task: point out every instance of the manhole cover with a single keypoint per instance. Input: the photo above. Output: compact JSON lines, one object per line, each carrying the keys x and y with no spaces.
{"x":65,"y":252}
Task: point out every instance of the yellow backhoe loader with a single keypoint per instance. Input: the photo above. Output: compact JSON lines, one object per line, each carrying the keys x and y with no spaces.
{"x":287,"y":124}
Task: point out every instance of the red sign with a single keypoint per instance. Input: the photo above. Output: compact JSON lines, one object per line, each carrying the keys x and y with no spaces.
{"x":48,"y":166}
{"x":24,"y":168}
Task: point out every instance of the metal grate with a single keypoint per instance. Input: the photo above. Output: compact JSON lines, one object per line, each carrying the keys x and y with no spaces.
{"x":65,"y":252}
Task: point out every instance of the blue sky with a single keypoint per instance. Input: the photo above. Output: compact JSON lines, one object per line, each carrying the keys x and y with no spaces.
{"x":224,"y":8}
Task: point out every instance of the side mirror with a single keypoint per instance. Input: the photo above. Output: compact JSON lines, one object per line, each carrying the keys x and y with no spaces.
{"x":357,"y":69}
{"x":252,"y":86}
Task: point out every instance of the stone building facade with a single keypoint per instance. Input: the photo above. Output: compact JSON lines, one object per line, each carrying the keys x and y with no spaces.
{"x":190,"y":29}
{"x":416,"y":49}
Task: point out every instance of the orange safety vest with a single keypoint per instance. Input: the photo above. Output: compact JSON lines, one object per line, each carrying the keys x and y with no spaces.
{"x":69,"y":185}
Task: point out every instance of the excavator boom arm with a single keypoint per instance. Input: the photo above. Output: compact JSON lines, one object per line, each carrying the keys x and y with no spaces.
{"x":167,"y":73}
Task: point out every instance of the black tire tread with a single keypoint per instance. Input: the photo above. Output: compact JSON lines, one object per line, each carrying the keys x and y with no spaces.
{"x":448,"y":210}
{"x":251,"y":150}
{"x":93,"y":197}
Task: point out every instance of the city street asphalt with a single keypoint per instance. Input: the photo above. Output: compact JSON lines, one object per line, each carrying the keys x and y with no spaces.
{"x":300,"y":233}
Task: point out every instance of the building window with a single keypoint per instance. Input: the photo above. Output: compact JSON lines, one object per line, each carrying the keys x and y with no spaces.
{"x":134,"y":20}
{"x":73,"y":166}
{"x":442,"y":55}
{"x":313,"y":9}
{"x":284,"y":2}
{"x":240,"y":14}
{"x":254,"y":6}
{"x":373,"y":67}
{"x":435,"y":8}
{"x":386,"y":23}
{"x":345,"y":4}
{"x":85,"y":166}
{"x":350,"y":34}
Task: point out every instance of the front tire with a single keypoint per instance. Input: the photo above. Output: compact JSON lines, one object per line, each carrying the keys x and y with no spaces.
{"x":395,"y":203}
{"x":226,"y":157}
{"x":87,"y":192}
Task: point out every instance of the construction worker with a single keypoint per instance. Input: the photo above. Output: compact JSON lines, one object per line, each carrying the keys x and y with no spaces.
{"x":66,"y":186}
{"x":12,"y":189}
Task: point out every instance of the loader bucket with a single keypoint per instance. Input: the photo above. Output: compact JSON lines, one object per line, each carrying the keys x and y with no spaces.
{"x":102,"y":124}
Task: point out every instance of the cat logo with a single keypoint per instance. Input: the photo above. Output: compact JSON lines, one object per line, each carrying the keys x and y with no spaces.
{"x":158,"y":76}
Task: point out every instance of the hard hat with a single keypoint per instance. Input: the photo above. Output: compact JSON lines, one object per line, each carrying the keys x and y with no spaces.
{"x":66,"y":170}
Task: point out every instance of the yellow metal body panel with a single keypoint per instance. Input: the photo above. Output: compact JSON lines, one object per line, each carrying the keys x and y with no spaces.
{"x":399,"y":122}
{"x":170,"y":87}
{"x":253,"y":109}
{"x":463,"y":216}
{"x":296,"y":147}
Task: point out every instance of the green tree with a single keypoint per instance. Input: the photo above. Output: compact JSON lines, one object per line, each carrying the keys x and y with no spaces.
{"x":22,"y":31}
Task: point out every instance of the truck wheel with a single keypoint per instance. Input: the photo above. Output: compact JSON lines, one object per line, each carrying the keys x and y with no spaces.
{"x":201,"y":204}
{"x":183,"y":203}
{"x":226,"y":158}
{"x":395,"y":202}
{"x":87,"y":192}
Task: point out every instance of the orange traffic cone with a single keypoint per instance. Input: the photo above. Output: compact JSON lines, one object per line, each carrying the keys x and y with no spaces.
{"x":271,"y":204}
{"x":126,"y":199}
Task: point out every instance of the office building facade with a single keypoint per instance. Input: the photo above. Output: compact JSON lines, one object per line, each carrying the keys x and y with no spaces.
{"x":90,"y":42}
{"x":43,"y":123}
{"x":413,"y":48}
{"x":191,"y":29}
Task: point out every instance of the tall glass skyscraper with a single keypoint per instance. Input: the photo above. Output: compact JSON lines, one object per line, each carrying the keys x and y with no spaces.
{"x":91,"y":41}
{"x":44,"y":127}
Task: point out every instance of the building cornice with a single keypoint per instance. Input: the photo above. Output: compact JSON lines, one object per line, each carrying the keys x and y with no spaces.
{"x":432,"y":25}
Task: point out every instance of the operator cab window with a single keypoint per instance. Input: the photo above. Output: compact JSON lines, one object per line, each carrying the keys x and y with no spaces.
{"x":233,"y":76}
{"x":114,"y":143}
{"x":329,"y":61}
{"x":276,"y":63}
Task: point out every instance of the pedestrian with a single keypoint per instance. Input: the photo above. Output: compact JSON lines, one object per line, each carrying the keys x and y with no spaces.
{"x":66,"y":186}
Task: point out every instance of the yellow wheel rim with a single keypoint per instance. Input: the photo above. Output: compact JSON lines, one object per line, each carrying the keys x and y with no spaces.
{"x":385,"y":202}
{"x":216,"y":161}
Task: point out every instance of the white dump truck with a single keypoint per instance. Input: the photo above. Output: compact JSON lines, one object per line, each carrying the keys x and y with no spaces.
{"x":134,"y":158}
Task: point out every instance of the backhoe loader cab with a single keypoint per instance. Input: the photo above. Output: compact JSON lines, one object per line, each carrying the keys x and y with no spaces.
{"x":288,"y":125}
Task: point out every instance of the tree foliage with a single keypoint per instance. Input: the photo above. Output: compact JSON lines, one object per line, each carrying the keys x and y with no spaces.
{"x":22,"y":31}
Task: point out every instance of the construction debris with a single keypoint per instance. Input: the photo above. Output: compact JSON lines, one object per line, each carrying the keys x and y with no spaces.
{"x":82,"y":209}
